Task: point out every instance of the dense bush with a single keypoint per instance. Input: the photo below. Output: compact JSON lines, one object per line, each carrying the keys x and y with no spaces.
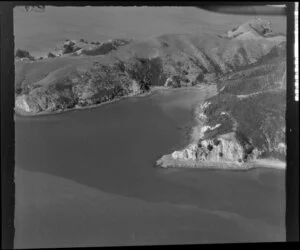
{"x":260,"y":119}
{"x":147,"y":72}
{"x":69,"y":47}
{"x":18,"y":90}
{"x":51,"y":55}
{"x":261,"y":77}
{"x":23,"y":54}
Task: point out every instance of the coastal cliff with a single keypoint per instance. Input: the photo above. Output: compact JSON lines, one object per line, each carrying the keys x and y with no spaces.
{"x":243,"y":123}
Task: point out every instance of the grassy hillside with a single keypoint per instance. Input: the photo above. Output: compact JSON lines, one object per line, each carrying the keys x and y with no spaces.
{"x":248,"y":64}
{"x":257,"y":120}
{"x":252,"y":103}
{"x":249,"y":70}
{"x":172,"y":60}
{"x":245,"y":121}
{"x":268,"y":72}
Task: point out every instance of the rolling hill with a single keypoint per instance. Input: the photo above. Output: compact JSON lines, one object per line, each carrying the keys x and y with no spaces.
{"x":248,"y":64}
{"x":172,"y":60}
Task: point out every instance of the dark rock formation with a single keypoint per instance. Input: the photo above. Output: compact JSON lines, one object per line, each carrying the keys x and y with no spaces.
{"x":51,"y":55}
{"x":23,"y":55}
{"x":104,"y":48}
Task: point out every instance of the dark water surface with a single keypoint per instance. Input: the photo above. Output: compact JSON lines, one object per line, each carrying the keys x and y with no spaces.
{"x":113,"y":149}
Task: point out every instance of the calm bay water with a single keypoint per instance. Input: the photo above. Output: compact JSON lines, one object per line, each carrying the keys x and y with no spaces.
{"x":113,"y":149}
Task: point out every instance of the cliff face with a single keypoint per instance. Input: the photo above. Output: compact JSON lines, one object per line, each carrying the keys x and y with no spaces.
{"x":224,"y":147}
{"x":116,"y":68}
{"x":22,"y":104}
{"x":99,"y":83}
{"x":237,"y":131}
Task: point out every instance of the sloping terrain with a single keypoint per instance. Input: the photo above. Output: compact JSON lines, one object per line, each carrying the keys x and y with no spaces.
{"x":248,"y":64}
{"x":245,"y":121}
{"x":255,"y":100}
{"x":172,"y":60}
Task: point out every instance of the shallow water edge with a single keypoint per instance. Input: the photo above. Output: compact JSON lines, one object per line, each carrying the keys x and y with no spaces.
{"x":153,"y":90}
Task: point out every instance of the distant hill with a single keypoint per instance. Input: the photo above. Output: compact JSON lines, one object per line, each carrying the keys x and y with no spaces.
{"x":38,"y":32}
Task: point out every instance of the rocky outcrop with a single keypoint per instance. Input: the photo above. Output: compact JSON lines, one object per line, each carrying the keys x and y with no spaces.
{"x":70,"y":47}
{"x":81,"y":47}
{"x":225,"y":147}
{"x":189,"y":153}
{"x":105,"y":48}
{"x":262,"y":137}
{"x":23,"y":56}
{"x":200,"y":111}
{"x":256,"y":28}
{"x":21,"y":103}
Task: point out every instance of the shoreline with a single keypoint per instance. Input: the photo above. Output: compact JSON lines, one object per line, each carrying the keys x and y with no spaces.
{"x":167,"y":162}
{"x":192,"y":130}
{"x":152,"y":91}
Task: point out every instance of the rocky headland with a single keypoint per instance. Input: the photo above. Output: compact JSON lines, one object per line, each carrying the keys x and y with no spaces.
{"x":244,"y":123}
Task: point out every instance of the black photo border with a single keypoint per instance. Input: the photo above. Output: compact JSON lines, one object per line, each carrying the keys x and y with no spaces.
{"x":7,"y":108}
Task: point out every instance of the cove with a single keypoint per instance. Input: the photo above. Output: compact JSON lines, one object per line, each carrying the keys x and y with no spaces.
{"x":113,"y":149}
